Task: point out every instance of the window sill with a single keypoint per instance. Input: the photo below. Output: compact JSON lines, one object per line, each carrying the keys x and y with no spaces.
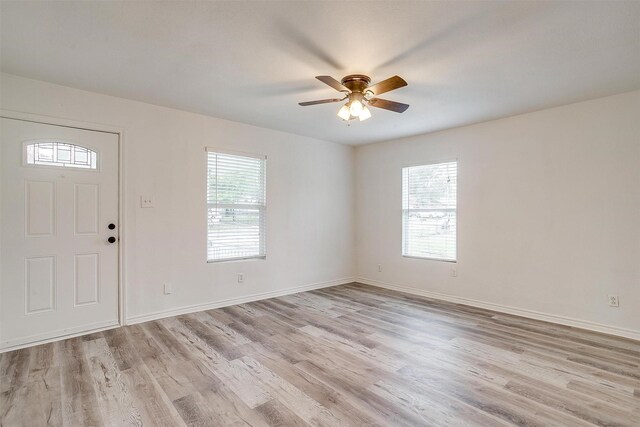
{"x":251,"y":258}
{"x":454,"y":261}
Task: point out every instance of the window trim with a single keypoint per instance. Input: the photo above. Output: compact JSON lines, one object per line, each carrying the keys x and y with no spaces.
{"x":235,"y":152}
{"x":428,"y":163}
{"x":263,"y":157}
{"x":247,"y":258}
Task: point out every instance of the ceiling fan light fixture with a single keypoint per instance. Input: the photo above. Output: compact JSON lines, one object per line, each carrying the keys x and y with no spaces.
{"x":365,"y":114}
{"x":344,"y":113}
{"x":356,"y":108}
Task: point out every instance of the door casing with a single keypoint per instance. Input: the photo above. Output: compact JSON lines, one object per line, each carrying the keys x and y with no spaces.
{"x":120,"y":132}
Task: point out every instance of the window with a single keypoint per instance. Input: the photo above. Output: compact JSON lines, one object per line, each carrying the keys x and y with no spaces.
{"x":51,"y":153}
{"x":236,"y":206}
{"x":429,"y":207}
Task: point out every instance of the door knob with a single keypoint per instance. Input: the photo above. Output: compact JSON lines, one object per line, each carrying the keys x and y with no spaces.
{"x":111,"y":226}
{"x":111,"y":239}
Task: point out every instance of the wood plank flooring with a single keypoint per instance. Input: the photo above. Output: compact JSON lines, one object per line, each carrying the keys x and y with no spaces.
{"x":346,"y":355}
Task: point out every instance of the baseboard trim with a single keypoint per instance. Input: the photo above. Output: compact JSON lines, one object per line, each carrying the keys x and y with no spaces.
{"x":31,"y":341}
{"x":531,"y":314}
{"x":233,"y":301}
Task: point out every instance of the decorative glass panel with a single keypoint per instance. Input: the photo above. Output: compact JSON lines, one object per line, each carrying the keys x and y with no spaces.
{"x":61,"y":154}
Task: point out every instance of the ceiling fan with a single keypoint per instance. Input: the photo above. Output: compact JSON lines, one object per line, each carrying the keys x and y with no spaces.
{"x":359,"y":94}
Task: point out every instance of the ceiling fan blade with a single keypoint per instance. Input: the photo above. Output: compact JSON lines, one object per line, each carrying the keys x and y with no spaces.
{"x":397,"y":107}
{"x":391,"y":83}
{"x":328,"y":80}
{"x":321,"y":101}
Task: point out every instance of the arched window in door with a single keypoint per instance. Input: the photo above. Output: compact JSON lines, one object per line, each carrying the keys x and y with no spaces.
{"x":62,"y":154}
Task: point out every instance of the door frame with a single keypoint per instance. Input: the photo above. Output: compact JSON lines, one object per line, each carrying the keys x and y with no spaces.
{"x":122,"y":277}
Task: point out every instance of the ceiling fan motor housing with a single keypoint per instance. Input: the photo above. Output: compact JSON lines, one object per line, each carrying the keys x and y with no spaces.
{"x":356,"y":82}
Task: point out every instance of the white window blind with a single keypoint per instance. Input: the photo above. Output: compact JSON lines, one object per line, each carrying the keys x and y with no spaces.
{"x":236,"y":204}
{"x":429,"y":208}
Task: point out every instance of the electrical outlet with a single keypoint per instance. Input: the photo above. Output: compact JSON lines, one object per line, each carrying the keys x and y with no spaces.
{"x":167,"y":289}
{"x":240,"y":277}
{"x":614,"y":301}
{"x":453,"y":272}
{"x":146,"y":202}
{"x":379,"y":268}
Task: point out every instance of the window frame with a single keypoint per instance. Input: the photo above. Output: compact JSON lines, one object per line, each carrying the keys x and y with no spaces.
{"x":402,"y":230}
{"x":263,"y":209}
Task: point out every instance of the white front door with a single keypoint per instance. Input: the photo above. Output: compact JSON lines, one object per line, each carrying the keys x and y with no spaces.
{"x":59,"y":233}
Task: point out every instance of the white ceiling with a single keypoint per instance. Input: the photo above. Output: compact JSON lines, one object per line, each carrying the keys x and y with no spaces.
{"x":253,"y":62}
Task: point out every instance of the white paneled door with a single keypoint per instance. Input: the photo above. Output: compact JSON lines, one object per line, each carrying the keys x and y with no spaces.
{"x":59,"y":233}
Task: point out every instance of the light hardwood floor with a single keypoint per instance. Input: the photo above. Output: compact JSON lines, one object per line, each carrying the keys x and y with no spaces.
{"x":347,"y":355}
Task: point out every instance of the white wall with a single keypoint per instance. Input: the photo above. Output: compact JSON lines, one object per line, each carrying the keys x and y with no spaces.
{"x":310,"y":220}
{"x":549,"y":213}
{"x":549,"y":207}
